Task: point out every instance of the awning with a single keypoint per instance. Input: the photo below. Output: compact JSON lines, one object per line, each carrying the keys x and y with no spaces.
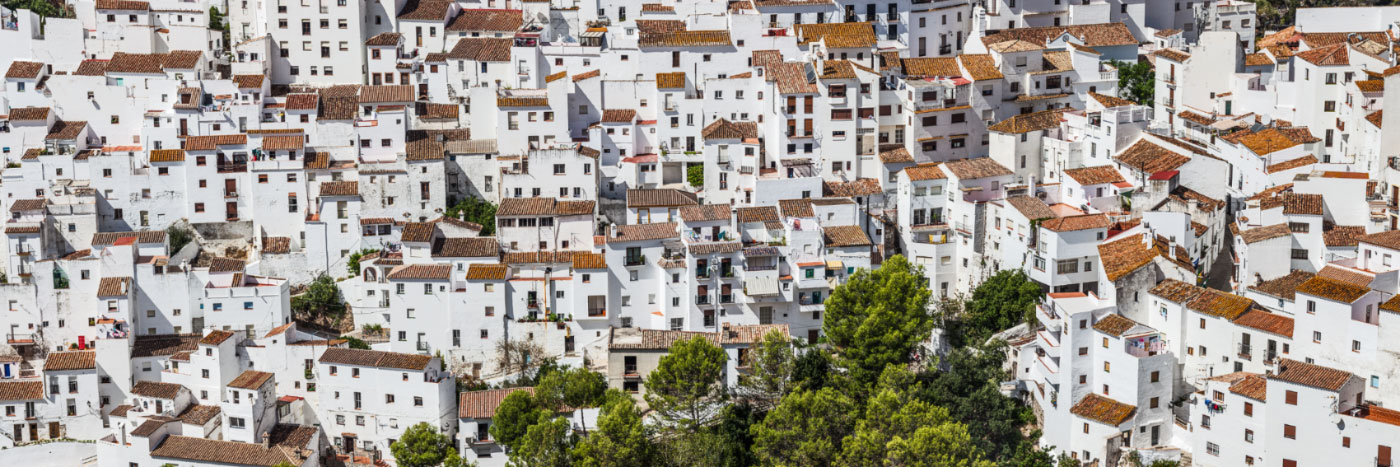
{"x":833,"y":264}
{"x":761,"y":286}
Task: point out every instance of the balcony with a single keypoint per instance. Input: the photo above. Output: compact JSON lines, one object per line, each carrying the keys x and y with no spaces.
{"x":1245,"y":353}
{"x":597,"y":312}
{"x":702,"y":299}
{"x":726,"y":298}
{"x":232,"y":167}
{"x":20,"y":338}
{"x":634,"y":260}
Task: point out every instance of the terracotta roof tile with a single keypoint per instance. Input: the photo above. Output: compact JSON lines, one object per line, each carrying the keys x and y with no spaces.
{"x":212,"y":142}
{"x":492,"y":272}
{"x":725,"y":129}
{"x":1114,"y":325}
{"x":844,"y":236}
{"x":659,"y":197}
{"x":425,"y":10}
{"x":161,"y":345}
{"x":714,"y":38}
{"x":481,"y":49}
{"x":748,"y":215}
{"x":1307,"y":374}
{"x":980,"y":167}
{"x":1387,"y":239}
{"x":283,"y":143}
{"x":1077,"y":223}
{"x":91,"y":67}
{"x":898,"y":155}
{"x":113,"y":286}
{"x":122,"y":5}
{"x":1285,"y":286}
{"x":1292,"y":164}
{"x":791,"y":78}
{"x":467,"y":247}
{"x":1176,"y":291}
{"x":1121,"y":257}
{"x":980,"y":67}
{"x":20,"y":69}
{"x":199,"y":415}
{"x":29,"y":114}
{"x":712,"y":248}
{"x":220,"y":265}
{"x":837,"y":35}
{"x":1216,"y":303}
{"x":1150,"y":157}
{"x":1103,"y":410}
{"x":1095,"y":175}
{"x":386,"y":94}
{"x":483,"y":404}
{"x":74,"y":360}
{"x":156,"y":389}
{"x":1036,"y":121}
{"x":1111,"y":101}
{"x":1332,"y":55}
{"x":384,"y":39}
{"x":1093,"y":35}
{"x":1173,"y":55}
{"x":66,"y":130}
{"x":250,"y":379}
{"x":224,"y":452}
{"x":673,"y":80}
{"x":705,"y":212}
{"x":644,"y":232}
{"x":1333,"y":289}
{"x":342,"y":188}
{"x":437,"y":272}
{"x":21,"y":390}
{"x":487,"y":20}
{"x":215,"y":337}
{"x":619,"y":115}
{"x":375,"y":358}
{"x":857,"y":187}
{"x":585,"y":260}
{"x":1268,"y":322}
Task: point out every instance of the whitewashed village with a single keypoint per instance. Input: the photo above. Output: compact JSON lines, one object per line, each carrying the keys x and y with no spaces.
{"x":743,"y":232}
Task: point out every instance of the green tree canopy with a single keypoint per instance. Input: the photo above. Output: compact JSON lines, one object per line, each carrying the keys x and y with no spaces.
{"x":321,"y":298}
{"x":805,"y":429}
{"x":1004,"y":300}
{"x":695,"y":175}
{"x":771,"y":363}
{"x":686,"y":388}
{"x":878,"y":318}
{"x":513,"y":418}
{"x":423,"y":446}
{"x":1137,"y":81}
{"x":621,"y":439}
{"x":546,"y":443}
{"x":475,"y":210}
{"x":178,"y":236}
{"x":969,"y":390}
{"x":571,"y":387}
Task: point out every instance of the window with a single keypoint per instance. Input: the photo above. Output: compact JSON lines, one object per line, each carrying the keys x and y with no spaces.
{"x":1249,"y":436}
{"x":1290,"y":432}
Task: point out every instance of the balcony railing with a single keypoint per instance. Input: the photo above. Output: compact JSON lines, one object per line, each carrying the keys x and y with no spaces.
{"x":635,"y":260}
{"x":1245,"y":352}
{"x":597,"y":312}
{"x":20,"y":338}
{"x":702,"y":299}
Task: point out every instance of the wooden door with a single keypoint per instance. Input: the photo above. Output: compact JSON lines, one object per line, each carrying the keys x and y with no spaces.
{"x":54,"y":430}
